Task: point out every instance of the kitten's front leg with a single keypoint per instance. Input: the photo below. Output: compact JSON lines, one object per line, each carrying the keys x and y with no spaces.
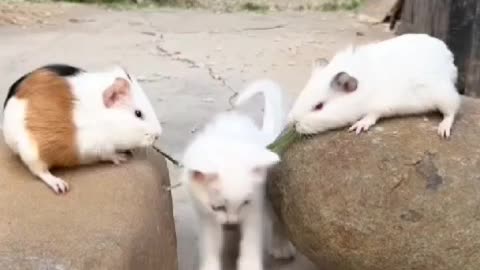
{"x":280,"y":247}
{"x":210,"y":245}
{"x":251,"y":245}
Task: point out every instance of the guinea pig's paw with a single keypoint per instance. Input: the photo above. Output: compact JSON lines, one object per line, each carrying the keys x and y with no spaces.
{"x":445,"y":127}
{"x":119,"y":158}
{"x":57,"y":184}
{"x":363,"y":124}
{"x":443,"y":131}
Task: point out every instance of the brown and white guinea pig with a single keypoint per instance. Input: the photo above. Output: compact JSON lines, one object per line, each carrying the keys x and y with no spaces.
{"x":63,"y":116}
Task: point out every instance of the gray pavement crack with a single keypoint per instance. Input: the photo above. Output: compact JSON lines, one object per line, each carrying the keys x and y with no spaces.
{"x":247,"y":29}
{"x":175,"y":56}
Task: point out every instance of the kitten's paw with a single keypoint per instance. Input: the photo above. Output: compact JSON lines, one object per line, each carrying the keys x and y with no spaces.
{"x":286,"y":251}
{"x":246,"y":263}
{"x":363,"y":124}
{"x":57,"y":184}
{"x":211,"y":265}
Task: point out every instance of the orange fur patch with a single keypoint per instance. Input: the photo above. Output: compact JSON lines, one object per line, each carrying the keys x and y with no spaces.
{"x":49,"y":117}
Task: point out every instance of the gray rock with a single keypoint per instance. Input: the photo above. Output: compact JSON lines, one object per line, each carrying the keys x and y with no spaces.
{"x":114,"y":217}
{"x":398,"y":197}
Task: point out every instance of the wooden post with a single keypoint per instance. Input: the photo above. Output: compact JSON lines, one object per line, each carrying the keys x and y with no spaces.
{"x":457,"y":22}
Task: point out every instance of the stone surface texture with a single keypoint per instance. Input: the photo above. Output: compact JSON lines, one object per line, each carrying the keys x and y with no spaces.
{"x":114,"y":217}
{"x":398,"y":197}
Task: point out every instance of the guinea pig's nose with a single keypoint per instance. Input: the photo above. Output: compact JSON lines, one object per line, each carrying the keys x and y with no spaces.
{"x":292,"y":124}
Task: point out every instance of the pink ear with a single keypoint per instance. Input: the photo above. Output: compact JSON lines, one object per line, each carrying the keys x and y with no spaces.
{"x":117,"y":94}
{"x":203,"y":177}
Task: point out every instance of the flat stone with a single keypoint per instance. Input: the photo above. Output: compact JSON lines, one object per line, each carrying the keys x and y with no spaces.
{"x":114,"y":217}
{"x":395,"y":198}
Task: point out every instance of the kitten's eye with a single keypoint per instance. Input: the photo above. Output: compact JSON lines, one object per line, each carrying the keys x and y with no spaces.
{"x":219,"y":208}
{"x":318,"y":107}
{"x":139,"y":114}
{"x":246,"y":202}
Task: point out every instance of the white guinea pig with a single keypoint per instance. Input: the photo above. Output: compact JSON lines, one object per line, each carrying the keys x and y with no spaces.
{"x":408,"y":74}
{"x":63,"y":116}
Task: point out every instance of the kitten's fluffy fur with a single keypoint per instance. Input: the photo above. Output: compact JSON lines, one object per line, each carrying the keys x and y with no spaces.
{"x":225,"y":171}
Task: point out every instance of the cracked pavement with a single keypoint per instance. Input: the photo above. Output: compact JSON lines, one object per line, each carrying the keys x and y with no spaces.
{"x":190,"y":63}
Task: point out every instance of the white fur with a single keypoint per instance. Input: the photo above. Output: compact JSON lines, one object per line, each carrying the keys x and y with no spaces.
{"x":99,"y":127}
{"x":408,"y":74}
{"x":18,"y":139}
{"x":232,"y":150}
{"x":101,"y":132}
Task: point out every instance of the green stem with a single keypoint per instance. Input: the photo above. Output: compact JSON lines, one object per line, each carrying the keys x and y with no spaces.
{"x":284,"y":141}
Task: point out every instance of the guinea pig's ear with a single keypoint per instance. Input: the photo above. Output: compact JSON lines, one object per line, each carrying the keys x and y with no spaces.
{"x":344,"y":82}
{"x":117,"y":94}
{"x":319,"y":63}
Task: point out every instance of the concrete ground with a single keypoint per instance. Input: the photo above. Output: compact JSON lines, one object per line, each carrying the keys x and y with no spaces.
{"x":189,"y":61}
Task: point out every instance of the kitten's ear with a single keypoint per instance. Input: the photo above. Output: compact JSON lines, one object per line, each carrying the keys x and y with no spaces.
{"x":202,"y":177}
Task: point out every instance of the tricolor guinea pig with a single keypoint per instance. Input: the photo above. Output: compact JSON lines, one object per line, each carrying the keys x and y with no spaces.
{"x":63,"y":116}
{"x":408,"y":74}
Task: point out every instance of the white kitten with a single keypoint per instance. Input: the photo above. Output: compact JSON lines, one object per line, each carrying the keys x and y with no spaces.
{"x":225,"y":171}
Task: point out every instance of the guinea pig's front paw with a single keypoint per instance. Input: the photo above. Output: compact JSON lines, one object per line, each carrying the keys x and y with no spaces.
{"x":116,"y":158}
{"x":363,"y":124}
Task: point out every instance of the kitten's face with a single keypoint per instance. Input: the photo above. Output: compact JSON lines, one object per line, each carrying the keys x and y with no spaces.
{"x":229,"y":196}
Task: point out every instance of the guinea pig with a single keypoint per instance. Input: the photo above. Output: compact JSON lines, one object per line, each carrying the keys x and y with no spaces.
{"x":404,"y":75}
{"x":63,"y":116}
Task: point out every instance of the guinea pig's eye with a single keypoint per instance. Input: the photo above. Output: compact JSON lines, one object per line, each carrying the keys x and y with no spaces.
{"x":246,"y":202}
{"x":219,"y":208}
{"x":318,"y":107}
{"x":139,"y":114}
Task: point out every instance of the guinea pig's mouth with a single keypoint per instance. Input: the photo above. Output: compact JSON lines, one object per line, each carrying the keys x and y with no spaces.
{"x":318,"y":107}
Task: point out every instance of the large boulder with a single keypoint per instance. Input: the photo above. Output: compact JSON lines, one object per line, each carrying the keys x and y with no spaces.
{"x":114,"y":217}
{"x":398,"y":197}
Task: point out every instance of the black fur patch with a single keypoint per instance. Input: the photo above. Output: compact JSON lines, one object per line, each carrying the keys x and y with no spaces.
{"x":63,"y":70}
{"x":59,"y":69}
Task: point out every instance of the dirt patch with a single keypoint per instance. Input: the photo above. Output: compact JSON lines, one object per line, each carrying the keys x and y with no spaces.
{"x":26,"y":14}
